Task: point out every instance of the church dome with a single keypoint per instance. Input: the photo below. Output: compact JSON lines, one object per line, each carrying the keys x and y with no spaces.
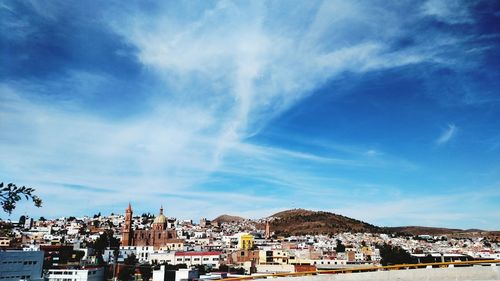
{"x":160,"y":219}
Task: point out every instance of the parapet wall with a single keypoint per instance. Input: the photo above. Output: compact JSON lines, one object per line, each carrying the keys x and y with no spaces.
{"x":477,"y":272}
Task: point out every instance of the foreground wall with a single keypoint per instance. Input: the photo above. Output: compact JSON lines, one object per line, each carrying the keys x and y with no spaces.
{"x":428,"y":274}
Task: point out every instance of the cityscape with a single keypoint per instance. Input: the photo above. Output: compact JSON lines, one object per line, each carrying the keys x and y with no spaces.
{"x":143,"y":246}
{"x":316,"y":140}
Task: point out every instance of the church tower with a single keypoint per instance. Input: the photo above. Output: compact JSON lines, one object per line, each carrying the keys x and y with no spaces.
{"x":127,"y":227}
{"x":268,"y":230}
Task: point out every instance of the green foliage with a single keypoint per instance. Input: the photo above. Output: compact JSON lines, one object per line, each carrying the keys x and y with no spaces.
{"x":486,"y":243}
{"x":223,"y":268}
{"x":146,"y":271}
{"x":238,"y":270}
{"x":395,"y":255}
{"x":127,"y":272}
{"x":130,"y":260}
{"x":172,"y":266}
{"x":105,"y":240}
{"x":6,"y":229}
{"x":235,"y":270}
{"x":11,"y":194}
{"x":340,"y":247}
{"x":202,"y":269}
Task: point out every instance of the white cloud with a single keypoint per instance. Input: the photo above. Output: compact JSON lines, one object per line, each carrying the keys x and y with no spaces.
{"x":372,"y":152}
{"x":449,"y":11}
{"x":435,"y":209}
{"x":256,"y":68}
{"x":225,"y":73}
{"x":447,"y":134}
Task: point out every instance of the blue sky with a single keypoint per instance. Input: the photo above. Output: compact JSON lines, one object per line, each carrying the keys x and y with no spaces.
{"x":383,"y":111}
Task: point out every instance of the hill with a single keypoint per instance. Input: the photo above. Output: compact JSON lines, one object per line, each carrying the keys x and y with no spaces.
{"x":228,"y":219}
{"x":300,"y":222}
{"x":421,"y":230}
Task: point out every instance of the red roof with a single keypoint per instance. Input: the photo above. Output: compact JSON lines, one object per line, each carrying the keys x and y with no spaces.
{"x":198,"y":253}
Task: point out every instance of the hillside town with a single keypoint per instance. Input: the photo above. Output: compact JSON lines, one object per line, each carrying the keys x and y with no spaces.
{"x":132,"y":246}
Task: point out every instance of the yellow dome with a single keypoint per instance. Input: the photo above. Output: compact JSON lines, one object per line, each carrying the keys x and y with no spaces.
{"x":160,"y":219}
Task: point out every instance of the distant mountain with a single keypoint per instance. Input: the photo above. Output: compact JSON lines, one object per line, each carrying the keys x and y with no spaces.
{"x":228,"y":219}
{"x":300,"y":222}
{"x":421,"y":230}
{"x":303,"y":222}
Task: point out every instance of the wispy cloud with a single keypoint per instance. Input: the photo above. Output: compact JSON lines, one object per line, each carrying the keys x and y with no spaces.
{"x":447,"y":134}
{"x":441,"y":210}
{"x":451,"y":11}
{"x":212,"y":77}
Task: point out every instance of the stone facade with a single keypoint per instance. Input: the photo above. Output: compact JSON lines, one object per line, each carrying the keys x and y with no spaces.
{"x":158,"y":236}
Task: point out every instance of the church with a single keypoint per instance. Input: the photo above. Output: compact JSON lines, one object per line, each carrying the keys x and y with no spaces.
{"x":158,"y":236}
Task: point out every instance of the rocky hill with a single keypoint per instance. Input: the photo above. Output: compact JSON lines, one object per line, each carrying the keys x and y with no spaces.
{"x":300,"y":221}
{"x":228,"y":219}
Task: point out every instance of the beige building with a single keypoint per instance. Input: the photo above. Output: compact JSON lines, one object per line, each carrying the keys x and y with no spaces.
{"x":4,"y":242}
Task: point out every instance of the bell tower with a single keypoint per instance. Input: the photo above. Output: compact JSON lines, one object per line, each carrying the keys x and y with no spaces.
{"x":268,"y":230}
{"x":127,"y":227}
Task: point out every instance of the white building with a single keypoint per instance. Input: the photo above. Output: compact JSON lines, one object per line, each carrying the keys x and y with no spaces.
{"x":18,"y":264}
{"x":88,"y":274}
{"x":358,"y":256}
{"x":211,"y":259}
{"x":328,"y":263}
{"x":160,"y":257}
{"x":178,"y":275}
{"x":141,"y":253}
{"x":73,"y":229}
